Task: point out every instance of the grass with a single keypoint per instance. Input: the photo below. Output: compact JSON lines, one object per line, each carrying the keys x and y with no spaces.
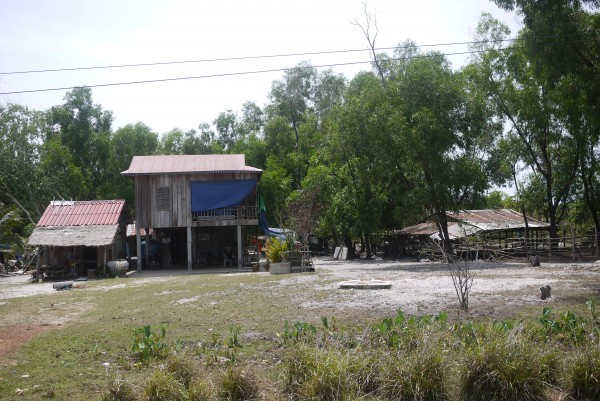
{"x":221,"y":333}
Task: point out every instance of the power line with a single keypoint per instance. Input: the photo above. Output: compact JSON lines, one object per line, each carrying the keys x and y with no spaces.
{"x":262,"y":71}
{"x":216,"y":75}
{"x":244,"y":58}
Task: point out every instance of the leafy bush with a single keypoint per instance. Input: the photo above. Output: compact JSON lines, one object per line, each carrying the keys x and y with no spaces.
{"x":567,"y":327}
{"x":275,"y":249}
{"x":148,"y":344}
{"x":584,"y":374}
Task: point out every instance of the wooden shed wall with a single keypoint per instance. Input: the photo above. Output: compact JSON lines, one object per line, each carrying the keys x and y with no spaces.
{"x":180,"y":214}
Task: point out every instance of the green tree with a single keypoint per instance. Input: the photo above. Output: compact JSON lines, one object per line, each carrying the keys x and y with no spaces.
{"x":226,"y":126}
{"x":532,"y":109}
{"x":128,"y":141}
{"x":84,"y":129}
{"x":11,"y":226}
{"x":438,"y":140}
{"x":21,"y":133}
{"x":361,"y":145}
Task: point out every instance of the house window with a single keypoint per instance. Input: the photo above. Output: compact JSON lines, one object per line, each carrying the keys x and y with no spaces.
{"x":162,"y":198}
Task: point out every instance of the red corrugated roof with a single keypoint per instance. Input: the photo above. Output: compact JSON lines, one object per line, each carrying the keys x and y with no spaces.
{"x":82,"y":213}
{"x":188,"y":164}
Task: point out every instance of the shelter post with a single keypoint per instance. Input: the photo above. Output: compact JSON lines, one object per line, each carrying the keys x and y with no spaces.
{"x":104,"y":260}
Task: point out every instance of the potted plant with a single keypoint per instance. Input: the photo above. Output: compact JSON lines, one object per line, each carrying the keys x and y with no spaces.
{"x":275,"y":252}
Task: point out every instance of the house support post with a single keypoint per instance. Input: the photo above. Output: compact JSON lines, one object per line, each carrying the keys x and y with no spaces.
{"x":189,"y":247}
{"x":239,"y":246}
{"x":138,"y":247}
{"x":147,"y":248}
{"x":37,"y":264}
{"x":104,"y":263}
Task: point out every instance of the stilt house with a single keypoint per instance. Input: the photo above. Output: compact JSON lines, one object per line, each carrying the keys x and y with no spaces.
{"x":196,"y":206}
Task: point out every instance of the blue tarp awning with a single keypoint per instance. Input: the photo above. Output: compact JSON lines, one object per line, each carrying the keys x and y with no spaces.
{"x":211,"y":195}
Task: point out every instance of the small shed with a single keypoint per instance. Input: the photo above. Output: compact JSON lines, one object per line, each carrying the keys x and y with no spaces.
{"x":80,"y":234}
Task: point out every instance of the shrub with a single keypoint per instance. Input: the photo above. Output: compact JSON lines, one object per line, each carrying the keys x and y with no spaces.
{"x":199,"y":390}
{"x":275,"y":249}
{"x":583,"y":374}
{"x":119,"y":390}
{"x":148,"y":344}
{"x":162,"y":386}
{"x":237,"y":385}
{"x":509,"y":369}
{"x":182,"y":367}
{"x":417,"y":376}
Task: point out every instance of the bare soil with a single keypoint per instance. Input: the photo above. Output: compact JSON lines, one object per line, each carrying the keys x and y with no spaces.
{"x":499,"y":290}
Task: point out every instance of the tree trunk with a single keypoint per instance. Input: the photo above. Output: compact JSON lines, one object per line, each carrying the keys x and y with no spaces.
{"x":368,"y":246}
{"x":348,"y":244}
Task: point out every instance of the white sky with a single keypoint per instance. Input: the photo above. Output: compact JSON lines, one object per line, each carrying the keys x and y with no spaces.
{"x":52,"y":34}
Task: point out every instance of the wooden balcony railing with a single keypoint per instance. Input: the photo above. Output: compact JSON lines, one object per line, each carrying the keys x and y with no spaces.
{"x":228,"y":213}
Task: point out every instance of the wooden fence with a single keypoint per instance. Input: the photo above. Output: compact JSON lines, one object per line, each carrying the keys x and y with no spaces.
{"x":570,"y":246}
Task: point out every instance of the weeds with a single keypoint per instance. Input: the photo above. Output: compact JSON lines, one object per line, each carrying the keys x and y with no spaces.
{"x":148,"y":344}
{"x":583,"y":373}
{"x":238,"y":385}
{"x":163,"y":386}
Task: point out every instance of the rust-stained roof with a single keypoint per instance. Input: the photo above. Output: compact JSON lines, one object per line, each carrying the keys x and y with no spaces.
{"x":468,"y":222}
{"x":82,"y":213}
{"x":495,"y":219}
{"x":188,"y":164}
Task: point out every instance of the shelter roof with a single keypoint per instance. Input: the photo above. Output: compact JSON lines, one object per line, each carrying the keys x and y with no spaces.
{"x":188,"y":164}
{"x":85,"y":235}
{"x":468,"y":222}
{"x":495,"y":219}
{"x":82,"y":213}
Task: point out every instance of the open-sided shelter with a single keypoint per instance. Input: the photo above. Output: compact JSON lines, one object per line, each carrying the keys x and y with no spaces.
{"x":495,"y":225}
{"x":80,"y":234}
{"x":196,"y":205}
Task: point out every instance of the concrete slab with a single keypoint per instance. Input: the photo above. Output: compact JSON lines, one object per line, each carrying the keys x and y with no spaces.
{"x":366,"y":284}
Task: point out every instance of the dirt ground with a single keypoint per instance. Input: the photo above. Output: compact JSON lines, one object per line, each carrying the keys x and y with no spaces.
{"x":425,"y":287}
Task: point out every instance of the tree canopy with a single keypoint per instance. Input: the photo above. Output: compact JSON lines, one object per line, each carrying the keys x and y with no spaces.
{"x":412,"y":138}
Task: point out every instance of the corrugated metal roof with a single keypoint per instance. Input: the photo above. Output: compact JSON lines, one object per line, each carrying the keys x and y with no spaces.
{"x":188,"y":164}
{"x":468,"y":222}
{"x":496,"y":219}
{"x":82,"y":213}
{"x":83,"y":235}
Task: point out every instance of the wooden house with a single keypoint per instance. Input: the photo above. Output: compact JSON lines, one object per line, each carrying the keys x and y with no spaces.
{"x":195,"y":205}
{"x":80,"y":235}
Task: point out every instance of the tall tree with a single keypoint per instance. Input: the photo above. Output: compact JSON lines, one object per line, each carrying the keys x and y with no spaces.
{"x":128,"y":141}
{"x":21,"y":133}
{"x":84,"y":129}
{"x":531,"y":107}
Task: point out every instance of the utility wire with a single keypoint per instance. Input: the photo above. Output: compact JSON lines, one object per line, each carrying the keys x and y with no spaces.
{"x":245,"y":57}
{"x":260,"y":71}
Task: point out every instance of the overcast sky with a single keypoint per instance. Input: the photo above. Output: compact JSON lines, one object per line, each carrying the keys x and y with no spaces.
{"x":58,"y":34}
